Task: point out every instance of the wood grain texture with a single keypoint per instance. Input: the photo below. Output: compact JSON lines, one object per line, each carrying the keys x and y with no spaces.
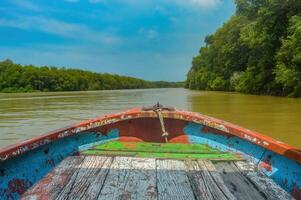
{"x":214,"y":181}
{"x":172,"y":180}
{"x":51,"y":185}
{"x":130,"y":178}
{"x":98,"y":177}
{"x":196,"y":177}
{"x":97,"y":182}
{"x":238,"y":184}
{"x":266,"y":185}
{"x":89,"y":176}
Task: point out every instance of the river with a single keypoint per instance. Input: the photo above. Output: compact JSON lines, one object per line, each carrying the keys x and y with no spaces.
{"x":25,"y":115}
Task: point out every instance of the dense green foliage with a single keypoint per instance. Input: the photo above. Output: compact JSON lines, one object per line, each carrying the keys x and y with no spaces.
{"x":257,"y":51}
{"x":18,"y":78}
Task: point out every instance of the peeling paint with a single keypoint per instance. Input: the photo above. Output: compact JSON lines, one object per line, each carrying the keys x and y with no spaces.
{"x":296,"y":191}
{"x":215,"y":125}
{"x":234,"y":130}
{"x":42,"y":153}
{"x":265,"y":164}
{"x":18,"y":174}
{"x":15,"y":188}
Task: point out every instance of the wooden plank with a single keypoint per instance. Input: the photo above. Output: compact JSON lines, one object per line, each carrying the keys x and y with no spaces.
{"x":214,"y":181}
{"x":265,"y":184}
{"x":198,"y":184}
{"x":172,"y":180}
{"x":88,"y":180}
{"x":130,"y":178}
{"x":97,"y":182}
{"x":238,"y":184}
{"x":217,"y":179}
{"x":51,"y":185}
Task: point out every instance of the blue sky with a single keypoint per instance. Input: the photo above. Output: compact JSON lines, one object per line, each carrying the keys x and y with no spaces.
{"x":149,"y":39}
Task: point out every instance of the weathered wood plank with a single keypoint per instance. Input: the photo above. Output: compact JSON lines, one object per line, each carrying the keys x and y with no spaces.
{"x":98,"y":181}
{"x":172,"y":180}
{"x":214,"y":181}
{"x":51,"y":185}
{"x":88,"y":180}
{"x":130,"y":178}
{"x":97,"y":177}
{"x":238,"y":184}
{"x":195,"y":175}
{"x":265,"y":184}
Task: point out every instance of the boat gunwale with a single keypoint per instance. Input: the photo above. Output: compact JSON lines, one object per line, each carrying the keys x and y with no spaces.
{"x":77,"y":128}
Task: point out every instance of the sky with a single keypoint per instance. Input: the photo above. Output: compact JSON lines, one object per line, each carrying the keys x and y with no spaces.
{"x":149,"y":39}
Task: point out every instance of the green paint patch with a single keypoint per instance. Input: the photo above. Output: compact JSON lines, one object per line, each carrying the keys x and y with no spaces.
{"x":161,"y":150}
{"x":221,"y":156}
{"x":155,"y":147}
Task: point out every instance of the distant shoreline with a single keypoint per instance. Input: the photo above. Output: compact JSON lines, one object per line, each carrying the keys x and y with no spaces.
{"x":16,"y":78}
{"x":124,"y":89}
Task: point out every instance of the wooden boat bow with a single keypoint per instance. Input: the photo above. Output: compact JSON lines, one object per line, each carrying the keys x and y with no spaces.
{"x":152,"y":126}
{"x":218,"y":125}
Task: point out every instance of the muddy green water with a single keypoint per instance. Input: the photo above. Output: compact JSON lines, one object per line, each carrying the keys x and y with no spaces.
{"x":23,"y":116}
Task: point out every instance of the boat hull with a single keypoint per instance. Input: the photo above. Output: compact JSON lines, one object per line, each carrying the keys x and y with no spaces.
{"x":22,"y":165}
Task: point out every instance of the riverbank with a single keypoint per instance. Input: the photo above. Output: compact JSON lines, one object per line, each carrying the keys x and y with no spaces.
{"x":29,"y":78}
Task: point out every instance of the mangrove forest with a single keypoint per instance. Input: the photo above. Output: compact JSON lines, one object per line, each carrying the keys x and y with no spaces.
{"x":29,"y":78}
{"x":257,"y":51}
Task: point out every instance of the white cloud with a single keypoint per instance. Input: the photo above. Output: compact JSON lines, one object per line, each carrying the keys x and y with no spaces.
{"x":199,"y":3}
{"x":12,"y":23}
{"x":26,"y":4}
{"x":96,"y":1}
{"x":195,"y":3}
{"x":72,"y":1}
{"x":149,"y":33}
{"x":190,"y":3}
{"x":61,"y":28}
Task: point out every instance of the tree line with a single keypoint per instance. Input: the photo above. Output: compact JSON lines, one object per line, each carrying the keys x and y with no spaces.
{"x":29,"y":78}
{"x":257,"y":51}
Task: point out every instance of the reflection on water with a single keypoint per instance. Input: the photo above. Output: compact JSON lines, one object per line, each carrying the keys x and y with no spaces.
{"x":23,"y":116}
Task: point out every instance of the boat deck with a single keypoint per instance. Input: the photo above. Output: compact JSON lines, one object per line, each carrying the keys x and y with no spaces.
{"x":102,"y":174}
